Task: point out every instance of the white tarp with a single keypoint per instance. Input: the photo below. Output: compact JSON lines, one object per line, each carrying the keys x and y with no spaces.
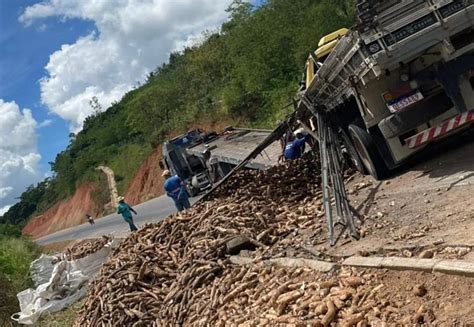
{"x":59,"y":283}
{"x":42,"y":268}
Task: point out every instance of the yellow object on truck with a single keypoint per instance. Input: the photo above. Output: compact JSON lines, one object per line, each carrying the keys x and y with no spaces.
{"x":325,"y":46}
{"x":328,"y":43}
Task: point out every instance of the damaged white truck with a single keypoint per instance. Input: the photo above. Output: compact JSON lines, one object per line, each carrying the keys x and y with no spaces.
{"x":401,"y":78}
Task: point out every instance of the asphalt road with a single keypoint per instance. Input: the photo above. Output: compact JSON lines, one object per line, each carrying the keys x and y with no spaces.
{"x":148,"y":212}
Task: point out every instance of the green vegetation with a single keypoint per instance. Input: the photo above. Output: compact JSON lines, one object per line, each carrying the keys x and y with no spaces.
{"x":30,"y":200}
{"x":244,"y":73}
{"x":16,"y":254}
{"x":126,"y":163}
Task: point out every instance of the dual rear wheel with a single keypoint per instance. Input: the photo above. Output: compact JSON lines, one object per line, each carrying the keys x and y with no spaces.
{"x":366,"y":153}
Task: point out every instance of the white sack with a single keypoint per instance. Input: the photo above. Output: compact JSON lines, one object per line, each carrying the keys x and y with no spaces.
{"x":60,"y":283}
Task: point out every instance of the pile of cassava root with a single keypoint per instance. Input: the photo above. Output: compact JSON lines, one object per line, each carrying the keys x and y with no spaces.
{"x":83,"y":248}
{"x":157,"y":272}
{"x":177,"y":272}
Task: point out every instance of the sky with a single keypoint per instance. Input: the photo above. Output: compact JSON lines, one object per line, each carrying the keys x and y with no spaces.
{"x":55,"y":55}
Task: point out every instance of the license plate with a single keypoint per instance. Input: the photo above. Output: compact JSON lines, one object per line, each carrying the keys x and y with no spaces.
{"x":400,"y":103}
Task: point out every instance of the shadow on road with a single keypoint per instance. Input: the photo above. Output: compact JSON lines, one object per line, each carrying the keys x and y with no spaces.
{"x":368,"y":202}
{"x":445,"y":158}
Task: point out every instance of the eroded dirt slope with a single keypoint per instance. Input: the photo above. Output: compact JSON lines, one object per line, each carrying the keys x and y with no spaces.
{"x":147,"y":182}
{"x":64,"y":214}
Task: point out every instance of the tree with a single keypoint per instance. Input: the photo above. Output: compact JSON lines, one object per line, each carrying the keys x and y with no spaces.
{"x":95,"y":105}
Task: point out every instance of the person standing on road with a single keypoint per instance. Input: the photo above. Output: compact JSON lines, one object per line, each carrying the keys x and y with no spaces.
{"x":295,"y":148}
{"x":126,"y":211}
{"x":176,"y":190}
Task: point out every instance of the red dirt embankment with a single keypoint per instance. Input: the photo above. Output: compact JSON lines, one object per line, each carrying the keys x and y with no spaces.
{"x":147,"y":182}
{"x":64,"y":214}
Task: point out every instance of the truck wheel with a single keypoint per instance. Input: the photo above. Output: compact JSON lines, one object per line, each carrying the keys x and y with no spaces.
{"x":368,"y":152}
{"x":193,"y":191}
{"x":352,"y":158}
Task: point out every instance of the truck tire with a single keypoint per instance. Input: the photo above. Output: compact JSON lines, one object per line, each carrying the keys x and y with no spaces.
{"x":192,"y":191}
{"x":368,"y":152}
{"x":353,"y":159}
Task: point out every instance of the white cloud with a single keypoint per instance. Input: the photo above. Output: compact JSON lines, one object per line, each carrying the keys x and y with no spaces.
{"x":133,"y":38}
{"x":45,"y":123}
{"x":42,"y":27}
{"x":4,"y":209}
{"x":19,"y":157}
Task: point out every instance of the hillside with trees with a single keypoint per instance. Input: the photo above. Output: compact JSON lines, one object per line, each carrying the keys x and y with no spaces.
{"x":244,"y":73}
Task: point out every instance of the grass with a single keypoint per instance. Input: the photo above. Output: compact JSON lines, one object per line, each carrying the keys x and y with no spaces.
{"x":8,"y":302}
{"x":16,"y":254}
{"x":63,"y":318}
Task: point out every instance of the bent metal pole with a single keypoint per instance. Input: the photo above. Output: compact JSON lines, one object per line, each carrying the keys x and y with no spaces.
{"x":322,"y":128}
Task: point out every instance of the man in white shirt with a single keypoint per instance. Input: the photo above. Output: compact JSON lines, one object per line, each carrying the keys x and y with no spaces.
{"x":212,"y":165}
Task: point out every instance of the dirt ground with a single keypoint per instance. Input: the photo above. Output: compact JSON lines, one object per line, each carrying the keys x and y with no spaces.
{"x":56,"y":246}
{"x":428,"y":205}
{"x":424,"y":209}
{"x":448,"y":299}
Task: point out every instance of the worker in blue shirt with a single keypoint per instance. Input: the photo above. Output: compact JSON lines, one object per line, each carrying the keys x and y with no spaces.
{"x":126,"y":211}
{"x":294,"y":149}
{"x":176,"y":190}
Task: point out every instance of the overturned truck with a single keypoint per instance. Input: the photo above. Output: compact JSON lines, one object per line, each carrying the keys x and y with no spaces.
{"x":401,"y":78}
{"x":184,"y":155}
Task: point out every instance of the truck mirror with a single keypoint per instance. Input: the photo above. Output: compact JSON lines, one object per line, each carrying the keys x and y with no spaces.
{"x":161,"y":164}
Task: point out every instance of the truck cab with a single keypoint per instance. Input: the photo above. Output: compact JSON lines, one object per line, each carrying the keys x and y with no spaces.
{"x":189,"y":167}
